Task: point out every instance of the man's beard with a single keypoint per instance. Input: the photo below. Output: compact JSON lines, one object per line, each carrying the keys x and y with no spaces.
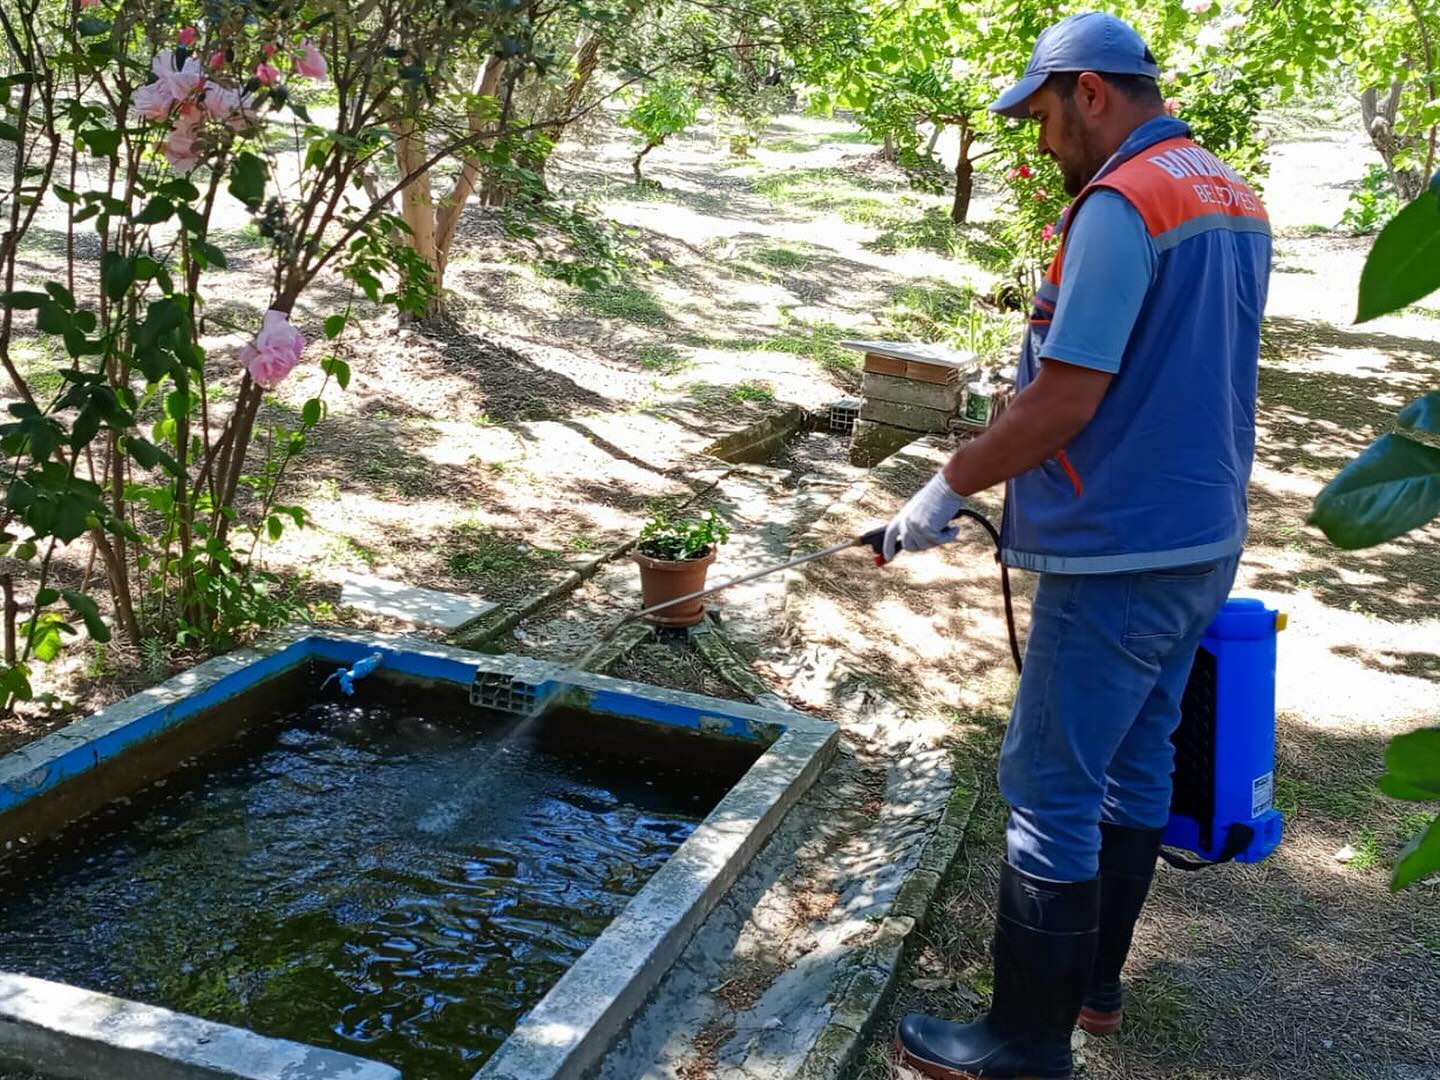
{"x":1088,"y":160}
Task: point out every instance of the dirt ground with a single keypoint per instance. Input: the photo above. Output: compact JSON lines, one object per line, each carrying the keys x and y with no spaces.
{"x":540,"y":424}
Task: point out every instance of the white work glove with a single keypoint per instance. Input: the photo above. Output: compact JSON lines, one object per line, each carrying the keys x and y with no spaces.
{"x":926,"y":521}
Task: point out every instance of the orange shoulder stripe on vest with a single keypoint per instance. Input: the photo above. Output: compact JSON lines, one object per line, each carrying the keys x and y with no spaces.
{"x":1176,"y":181}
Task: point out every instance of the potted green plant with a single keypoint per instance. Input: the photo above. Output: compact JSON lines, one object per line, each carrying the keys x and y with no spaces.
{"x":674,"y":557}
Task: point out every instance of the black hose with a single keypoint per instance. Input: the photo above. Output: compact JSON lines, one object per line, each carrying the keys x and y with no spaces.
{"x":1004,"y":584}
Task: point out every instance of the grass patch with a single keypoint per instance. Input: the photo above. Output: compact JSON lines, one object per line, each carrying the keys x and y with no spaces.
{"x":40,"y":361}
{"x":930,"y":313}
{"x":750,"y":391}
{"x":1367,"y":853}
{"x":791,"y":146}
{"x":1344,"y":802}
{"x":850,"y":138}
{"x":816,"y":340}
{"x":245,"y":238}
{"x":662,"y":359}
{"x":780,"y":257}
{"x":476,"y":551}
{"x":626,"y":302}
{"x":932,"y":230}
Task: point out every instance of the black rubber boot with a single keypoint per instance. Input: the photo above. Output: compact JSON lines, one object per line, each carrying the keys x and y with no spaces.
{"x":1127,"y":865}
{"x":1044,"y":950}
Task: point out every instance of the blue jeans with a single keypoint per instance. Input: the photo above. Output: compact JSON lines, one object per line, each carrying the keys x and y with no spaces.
{"x":1089,"y":738}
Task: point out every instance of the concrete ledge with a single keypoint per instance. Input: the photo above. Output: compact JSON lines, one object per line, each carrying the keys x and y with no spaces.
{"x":757,"y":442}
{"x":901,"y":391}
{"x":69,"y":1032}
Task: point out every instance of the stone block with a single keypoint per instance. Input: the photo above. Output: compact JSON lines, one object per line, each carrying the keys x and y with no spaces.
{"x":911,"y":417}
{"x":930,"y":395}
{"x":872,"y":443}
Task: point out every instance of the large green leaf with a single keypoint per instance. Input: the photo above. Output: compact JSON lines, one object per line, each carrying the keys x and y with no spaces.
{"x":1391,"y":488}
{"x":247,"y":179}
{"x":1419,"y":858}
{"x":1422,"y":414}
{"x":1404,"y":264}
{"x":85,"y":607}
{"x":1414,"y":758}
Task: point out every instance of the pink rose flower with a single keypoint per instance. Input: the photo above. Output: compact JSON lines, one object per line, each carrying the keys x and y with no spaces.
{"x":189,"y":36}
{"x":171,"y":86}
{"x":1013,"y":174}
{"x":1047,"y":233}
{"x":268,"y":74}
{"x":1041,"y":195}
{"x":1198,"y":7}
{"x":311,"y":63}
{"x":153,"y":100}
{"x":1024,"y":172}
{"x":85,"y":5}
{"x":180,"y":147}
{"x":1172,"y":106}
{"x":217,"y":61}
{"x":275,"y":352}
{"x":268,"y":49}
{"x":228,"y":106}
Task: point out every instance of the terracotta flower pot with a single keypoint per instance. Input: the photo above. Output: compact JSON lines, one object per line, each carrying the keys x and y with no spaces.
{"x":667,"y":579}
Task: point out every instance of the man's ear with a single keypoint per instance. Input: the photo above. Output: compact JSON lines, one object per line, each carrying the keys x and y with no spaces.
{"x":1091,"y":93}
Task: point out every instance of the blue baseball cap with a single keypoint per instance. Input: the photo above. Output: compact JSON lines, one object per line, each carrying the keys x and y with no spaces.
{"x":1094,"y":42}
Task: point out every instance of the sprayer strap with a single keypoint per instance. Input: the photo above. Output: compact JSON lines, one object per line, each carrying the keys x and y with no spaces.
{"x":1237,"y":839}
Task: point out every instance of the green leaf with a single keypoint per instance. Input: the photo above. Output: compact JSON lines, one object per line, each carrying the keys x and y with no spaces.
{"x":23,"y":301}
{"x":89,"y":26}
{"x":117,"y":274}
{"x":103,"y":142}
{"x":44,"y":635}
{"x":61,"y":295}
{"x":1414,"y":758}
{"x":1399,"y":789}
{"x":1391,"y":488}
{"x":1404,"y":264}
{"x":155,"y":211}
{"x":333,"y":325}
{"x":1419,"y":858}
{"x":177,"y":405}
{"x":181,"y":189}
{"x":191,"y":218}
{"x":310,"y":412}
{"x":206,"y":253}
{"x":337,"y":369}
{"x":274,"y":526}
{"x":247,"y":179}
{"x":85,"y":607}
{"x":46,"y":597}
{"x":70,"y":513}
{"x":9,"y":132}
{"x":1422,"y":414}
{"x":52,"y":318}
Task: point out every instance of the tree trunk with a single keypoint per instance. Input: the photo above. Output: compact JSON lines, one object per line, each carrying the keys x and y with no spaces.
{"x":964,"y":178}
{"x":887,"y":152}
{"x":635,"y":164}
{"x":447,"y":218}
{"x":1379,"y":118}
{"x":417,"y":204}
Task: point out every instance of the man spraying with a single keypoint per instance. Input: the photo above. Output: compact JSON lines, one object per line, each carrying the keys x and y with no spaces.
{"x":1126,"y":452}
